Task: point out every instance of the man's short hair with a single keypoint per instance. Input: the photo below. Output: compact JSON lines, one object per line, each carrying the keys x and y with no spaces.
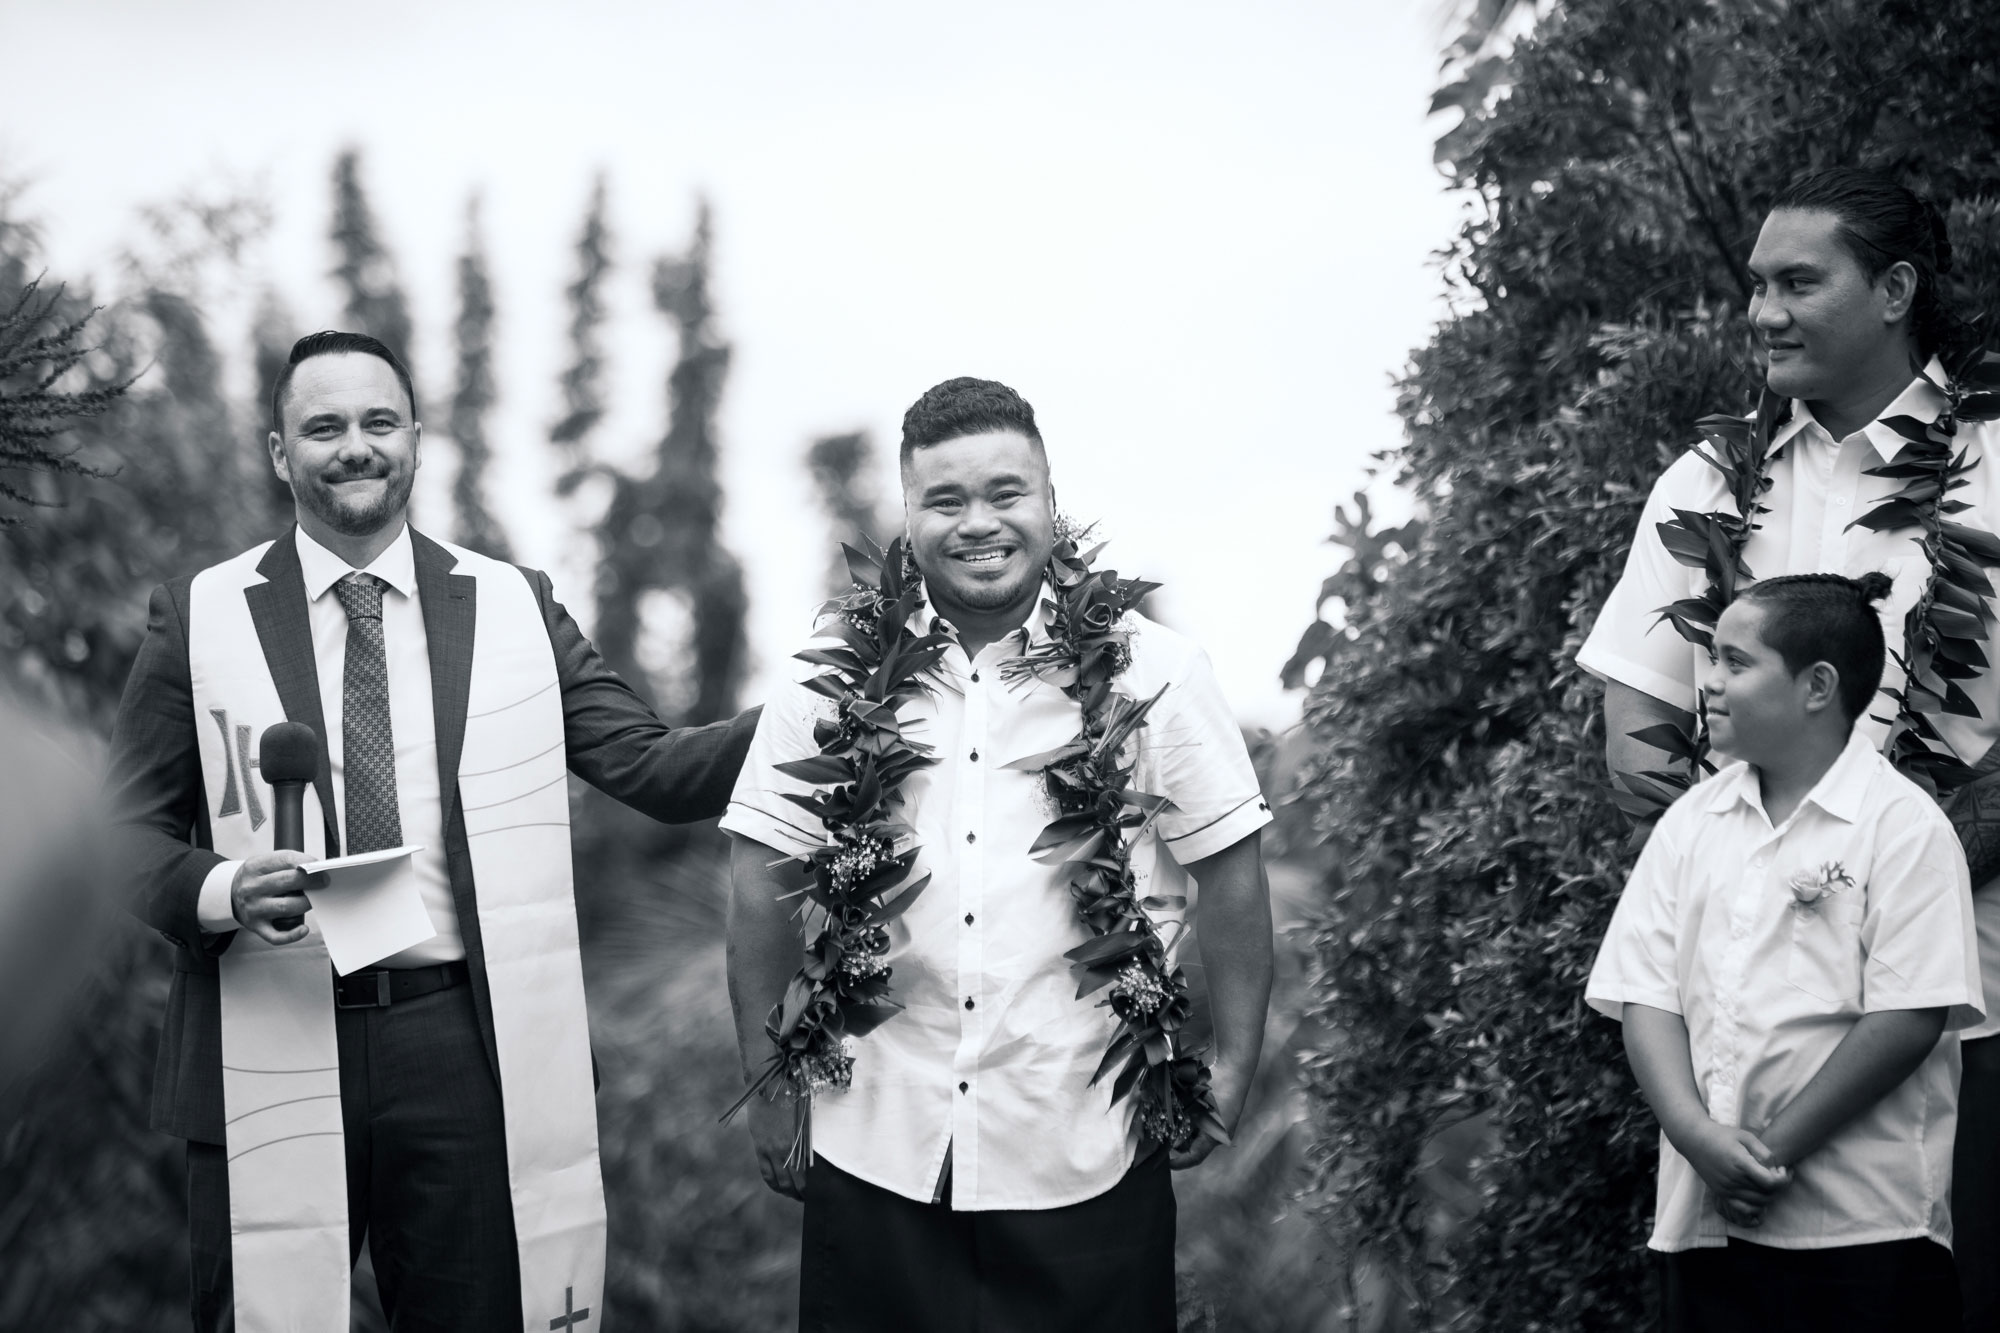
{"x":1881,"y":223}
{"x":327,"y":342}
{"x":965,"y":406}
{"x":1827,"y":618}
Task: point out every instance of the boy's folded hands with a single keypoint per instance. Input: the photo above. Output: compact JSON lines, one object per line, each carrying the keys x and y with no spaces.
{"x":1738,"y":1167}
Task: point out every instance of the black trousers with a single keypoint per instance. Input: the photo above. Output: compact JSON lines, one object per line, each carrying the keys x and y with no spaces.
{"x":1899,"y":1286}
{"x":1975,"y":1186}
{"x":875,"y":1262}
{"x":426,"y":1175}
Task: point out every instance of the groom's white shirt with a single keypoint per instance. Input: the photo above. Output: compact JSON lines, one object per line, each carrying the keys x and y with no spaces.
{"x":993,"y":1054}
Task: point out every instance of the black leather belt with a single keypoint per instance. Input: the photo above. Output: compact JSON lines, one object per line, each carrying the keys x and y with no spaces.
{"x":380,"y":987}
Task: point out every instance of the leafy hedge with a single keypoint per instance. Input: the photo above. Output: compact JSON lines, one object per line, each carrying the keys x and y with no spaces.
{"x":1617,"y":181}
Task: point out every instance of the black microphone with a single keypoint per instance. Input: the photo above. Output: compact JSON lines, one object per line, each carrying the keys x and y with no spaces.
{"x":288,"y":757}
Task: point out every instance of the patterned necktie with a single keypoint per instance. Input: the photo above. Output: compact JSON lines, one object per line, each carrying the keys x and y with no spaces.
{"x":368,"y":746}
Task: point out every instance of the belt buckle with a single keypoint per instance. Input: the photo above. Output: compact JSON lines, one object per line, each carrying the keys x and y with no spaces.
{"x":381,"y":1000}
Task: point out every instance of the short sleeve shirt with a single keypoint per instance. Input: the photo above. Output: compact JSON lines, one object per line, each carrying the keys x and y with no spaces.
{"x":1819,"y":487}
{"x":1710,"y":927}
{"x":993,"y":1052}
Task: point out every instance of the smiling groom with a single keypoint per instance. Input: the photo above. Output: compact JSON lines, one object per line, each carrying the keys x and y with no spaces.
{"x":971,"y":1173}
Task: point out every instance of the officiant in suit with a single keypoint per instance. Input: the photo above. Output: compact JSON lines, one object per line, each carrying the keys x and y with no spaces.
{"x":393,"y":648}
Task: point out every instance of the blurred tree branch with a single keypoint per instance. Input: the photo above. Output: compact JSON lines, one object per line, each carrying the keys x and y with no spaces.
{"x":39,"y":348}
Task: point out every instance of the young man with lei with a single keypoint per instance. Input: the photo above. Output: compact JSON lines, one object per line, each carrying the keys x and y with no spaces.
{"x":1792,"y":946}
{"x":1040,"y":772}
{"x":1846,"y":302}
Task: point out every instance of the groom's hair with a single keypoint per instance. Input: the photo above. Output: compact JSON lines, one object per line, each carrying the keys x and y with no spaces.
{"x":965,"y":406}
{"x":327,"y":342}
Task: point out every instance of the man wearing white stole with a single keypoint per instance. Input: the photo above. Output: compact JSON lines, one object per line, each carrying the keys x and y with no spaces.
{"x":439,"y":1103}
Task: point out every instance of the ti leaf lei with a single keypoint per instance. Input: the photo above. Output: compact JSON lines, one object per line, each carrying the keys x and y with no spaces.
{"x":857,"y":878}
{"x":1740,"y":449}
{"x":1944,"y":634}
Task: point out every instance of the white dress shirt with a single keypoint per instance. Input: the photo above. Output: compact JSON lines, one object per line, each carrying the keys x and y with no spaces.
{"x":419,"y":801}
{"x":993,"y":1053}
{"x":1817,"y":490}
{"x":1709,"y":928}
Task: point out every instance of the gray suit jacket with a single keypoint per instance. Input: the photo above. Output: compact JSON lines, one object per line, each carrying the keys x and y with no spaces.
{"x":154,"y":785}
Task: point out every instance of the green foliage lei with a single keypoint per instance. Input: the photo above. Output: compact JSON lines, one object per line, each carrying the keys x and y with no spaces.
{"x":1740,"y":449}
{"x":1944,"y":634}
{"x":857,"y":879}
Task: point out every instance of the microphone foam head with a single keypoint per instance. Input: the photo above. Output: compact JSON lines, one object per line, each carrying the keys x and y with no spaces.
{"x":288,"y":752}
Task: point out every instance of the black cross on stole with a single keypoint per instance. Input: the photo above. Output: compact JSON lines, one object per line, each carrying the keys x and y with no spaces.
{"x":570,"y":1317}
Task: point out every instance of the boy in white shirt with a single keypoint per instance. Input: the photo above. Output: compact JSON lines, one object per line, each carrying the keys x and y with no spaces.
{"x":1792,"y":946}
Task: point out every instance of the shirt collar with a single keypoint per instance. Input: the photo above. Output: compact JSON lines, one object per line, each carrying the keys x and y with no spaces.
{"x":1920,"y":400}
{"x":1035,"y":627}
{"x":396,"y":566}
{"x":1839,"y":791}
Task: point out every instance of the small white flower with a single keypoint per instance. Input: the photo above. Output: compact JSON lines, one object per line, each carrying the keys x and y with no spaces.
{"x":1810,"y":886}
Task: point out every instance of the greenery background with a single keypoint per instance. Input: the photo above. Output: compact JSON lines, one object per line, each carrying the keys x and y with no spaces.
{"x":1442,"y":1133}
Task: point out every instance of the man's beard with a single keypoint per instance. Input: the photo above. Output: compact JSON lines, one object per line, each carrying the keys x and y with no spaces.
{"x":974,"y":595}
{"x":989,"y":596}
{"x":320,"y":499}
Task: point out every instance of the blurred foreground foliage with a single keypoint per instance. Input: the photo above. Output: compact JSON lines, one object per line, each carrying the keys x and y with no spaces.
{"x":1617,"y":162}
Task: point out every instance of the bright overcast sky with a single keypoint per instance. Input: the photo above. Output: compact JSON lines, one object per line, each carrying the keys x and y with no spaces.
{"x":1196,"y":237}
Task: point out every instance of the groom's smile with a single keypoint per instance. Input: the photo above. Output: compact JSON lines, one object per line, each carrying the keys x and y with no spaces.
{"x":981,"y":523}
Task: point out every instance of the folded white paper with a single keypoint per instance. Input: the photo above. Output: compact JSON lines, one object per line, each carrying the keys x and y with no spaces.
{"x":371,"y":907}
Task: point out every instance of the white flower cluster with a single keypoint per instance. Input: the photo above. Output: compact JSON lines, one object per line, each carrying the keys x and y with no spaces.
{"x":860,"y":965}
{"x":856,"y":862}
{"x":1139,"y":989}
{"x":832,"y":1070}
{"x":1161,"y":1125}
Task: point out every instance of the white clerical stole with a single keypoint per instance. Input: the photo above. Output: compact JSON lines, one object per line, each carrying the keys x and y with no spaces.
{"x":281,"y":1075}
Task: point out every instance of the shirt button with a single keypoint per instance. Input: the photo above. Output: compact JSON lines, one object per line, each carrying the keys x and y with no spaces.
{"x":968,"y":1001}
{"x":975,"y":756}
{"x":975,"y":678}
{"x":963,"y":1086}
{"x":972,"y":837}
{"x":968,"y":918}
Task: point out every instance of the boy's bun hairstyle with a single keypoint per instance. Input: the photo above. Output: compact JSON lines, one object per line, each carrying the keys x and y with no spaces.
{"x":1874,"y":587}
{"x":1827,"y":618}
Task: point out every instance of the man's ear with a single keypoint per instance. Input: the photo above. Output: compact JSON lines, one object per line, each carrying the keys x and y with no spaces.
{"x":416,"y":445}
{"x":276,"y":444}
{"x":1822,"y":687}
{"x":1898,"y":285}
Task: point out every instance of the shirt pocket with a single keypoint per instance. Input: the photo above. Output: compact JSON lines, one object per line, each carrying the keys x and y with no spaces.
{"x":1824,"y":957}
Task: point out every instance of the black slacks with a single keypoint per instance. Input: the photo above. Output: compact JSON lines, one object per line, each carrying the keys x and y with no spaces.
{"x":874,"y":1262}
{"x":426,"y":1174}
{"x":1975,"y":1186}
{"x":1908,"y":1286}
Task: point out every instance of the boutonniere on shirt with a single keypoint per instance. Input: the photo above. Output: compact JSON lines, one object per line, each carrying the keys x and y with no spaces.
{"x":1809,"y":887}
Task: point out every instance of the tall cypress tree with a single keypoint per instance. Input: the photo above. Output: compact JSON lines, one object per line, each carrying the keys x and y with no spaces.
{"x":843,"y":473}
{"x":662,"y":554}
{"x":583,"y":381}
{"x":366,"y":271}
{"x":472,"y":399}
{"x":272,"y":333}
